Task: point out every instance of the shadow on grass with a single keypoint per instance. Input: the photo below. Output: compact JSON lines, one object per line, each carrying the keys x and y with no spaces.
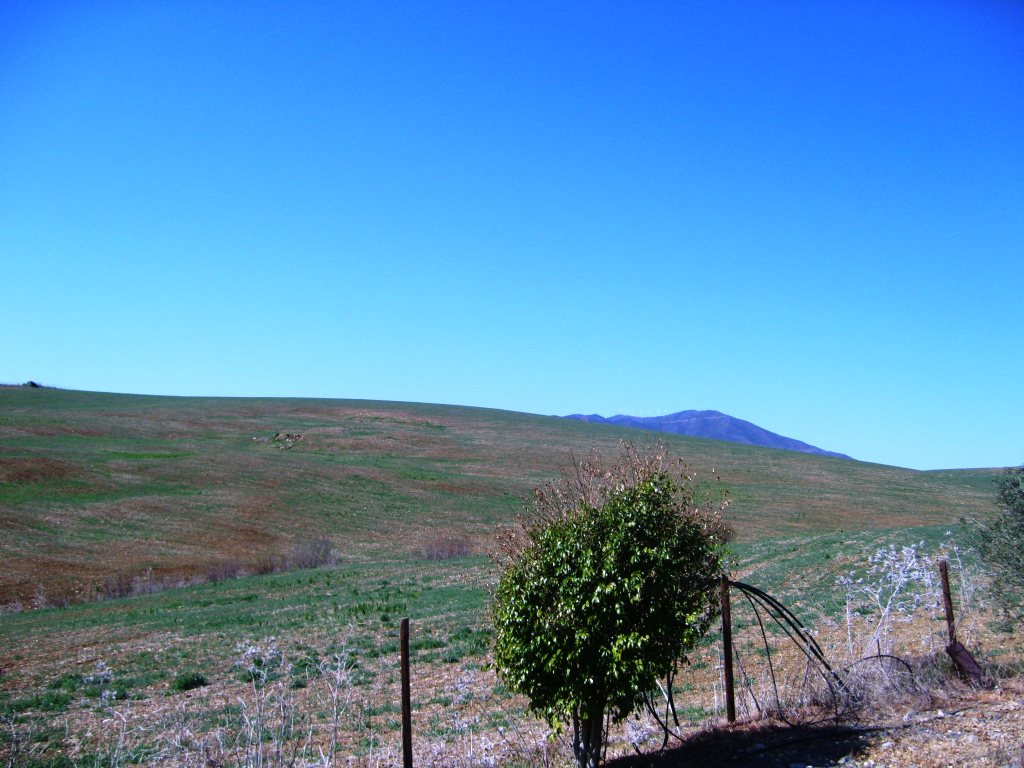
{"x":764,"y":746}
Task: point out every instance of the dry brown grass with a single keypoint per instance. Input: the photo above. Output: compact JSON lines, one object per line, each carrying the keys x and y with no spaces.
{"x":462,"y":719}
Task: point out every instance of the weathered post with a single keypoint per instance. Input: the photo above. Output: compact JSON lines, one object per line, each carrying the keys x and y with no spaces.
{"x":406,"y":696}
{"x":730,"y":693}
{"x":947,"y":599}
{"x":964,"y":662}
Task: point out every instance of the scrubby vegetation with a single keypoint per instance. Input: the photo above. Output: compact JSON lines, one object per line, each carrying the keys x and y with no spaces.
{"x":999,"y":540}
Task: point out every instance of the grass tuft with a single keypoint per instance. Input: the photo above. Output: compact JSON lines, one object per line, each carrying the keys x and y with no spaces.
{"x":188,"y":681}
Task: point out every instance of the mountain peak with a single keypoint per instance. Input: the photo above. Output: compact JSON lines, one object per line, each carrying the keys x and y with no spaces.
{"x":714,"y":425}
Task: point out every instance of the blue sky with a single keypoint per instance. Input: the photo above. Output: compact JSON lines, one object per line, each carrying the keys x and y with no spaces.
{"x":808,"y":215}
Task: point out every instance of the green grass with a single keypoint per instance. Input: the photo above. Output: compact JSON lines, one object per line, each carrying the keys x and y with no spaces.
{"x":187,"y":681}
{"x":143,"y":456}
{"x":49,"y":701}
{"x":211,"y":619}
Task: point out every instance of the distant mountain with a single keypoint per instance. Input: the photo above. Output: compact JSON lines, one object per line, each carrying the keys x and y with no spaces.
{"x":710,"y":424}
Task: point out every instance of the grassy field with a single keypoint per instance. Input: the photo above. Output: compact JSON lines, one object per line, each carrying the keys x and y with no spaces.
{"x":229,"y":668}
{"x":95,"y":486}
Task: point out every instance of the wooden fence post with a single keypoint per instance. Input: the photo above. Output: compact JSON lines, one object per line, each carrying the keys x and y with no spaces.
{"x":947,"y":599}
{"x":964,"y":662}
{"x":406,"y":696}
{"x":730,"y":693}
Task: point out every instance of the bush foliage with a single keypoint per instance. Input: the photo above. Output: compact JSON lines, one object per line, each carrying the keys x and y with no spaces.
{"x":999,"y":540}
{"x":605,"y":587}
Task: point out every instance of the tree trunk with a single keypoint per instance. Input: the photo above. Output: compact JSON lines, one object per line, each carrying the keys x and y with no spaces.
{"x":588,"y":737}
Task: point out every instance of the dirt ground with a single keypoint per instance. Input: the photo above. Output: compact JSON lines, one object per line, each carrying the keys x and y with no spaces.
{"x":966,"y":727}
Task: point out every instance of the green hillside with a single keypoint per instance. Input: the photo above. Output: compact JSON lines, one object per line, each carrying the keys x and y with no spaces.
{"x":94,"y":486}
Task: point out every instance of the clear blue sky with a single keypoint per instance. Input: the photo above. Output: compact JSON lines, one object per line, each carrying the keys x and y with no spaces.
{"x":809,"y":215}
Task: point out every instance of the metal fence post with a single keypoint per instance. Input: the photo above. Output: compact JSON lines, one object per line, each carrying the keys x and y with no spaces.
{"x":730,"y":693}
{"x":406,"y":696}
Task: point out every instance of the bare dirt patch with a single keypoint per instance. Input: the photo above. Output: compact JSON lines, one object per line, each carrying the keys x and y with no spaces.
{"x":956,"y":727}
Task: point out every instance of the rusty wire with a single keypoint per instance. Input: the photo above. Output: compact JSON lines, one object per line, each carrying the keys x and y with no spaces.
{"x":800,"y":635}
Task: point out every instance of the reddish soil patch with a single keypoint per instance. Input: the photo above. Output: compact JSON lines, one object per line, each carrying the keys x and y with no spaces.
{"x":35,"y":469}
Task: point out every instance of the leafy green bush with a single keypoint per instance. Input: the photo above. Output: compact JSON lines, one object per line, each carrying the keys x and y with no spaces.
{"x":604,"y":589}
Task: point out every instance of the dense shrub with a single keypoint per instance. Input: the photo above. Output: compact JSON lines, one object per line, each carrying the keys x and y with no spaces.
{"x":604,"y":589}
{"x":447,"y":548}
{"x":999,"y":541}
{"x":311,"y":553}
{"x":224,"y":570}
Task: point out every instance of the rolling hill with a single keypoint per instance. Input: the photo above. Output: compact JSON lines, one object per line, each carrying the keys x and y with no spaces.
{"x":99,"y":485}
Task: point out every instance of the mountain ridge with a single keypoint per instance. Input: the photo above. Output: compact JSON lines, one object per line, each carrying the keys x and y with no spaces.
{"x":714,"y":425}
